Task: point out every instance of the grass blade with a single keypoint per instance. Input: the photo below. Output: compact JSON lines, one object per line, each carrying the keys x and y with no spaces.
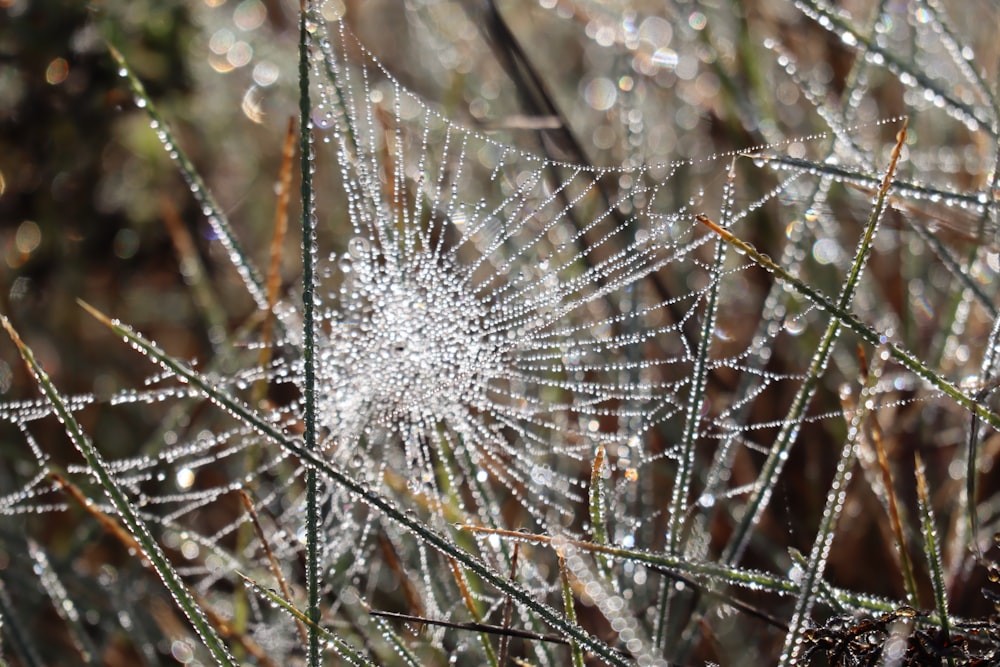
{"x":309,"y":336}
{"x":678,"y":526}
{"x":21,"y":641}
{"x":892,"y":504}
{"x":277,"y":250}
{"x":708,"y":571}
{"x":812,"y":577}
{"x":401,"y":649}
{"x":598,"y":511}
{"x":195,"y":274}
{"x":508,"y":610}
{"x":570,"y":609}
{"x":472,"y":608}
{"x":866,"y":333}
{"x":932,"y":550}
{"x":272,"y":561}
{"x":831,"y":19}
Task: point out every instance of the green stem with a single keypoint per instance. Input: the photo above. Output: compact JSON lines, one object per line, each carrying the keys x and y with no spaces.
{"x":812,"y":579}
{"x":678,"y":525}
{"x":309,"y":341}
{"x":567,"y":595}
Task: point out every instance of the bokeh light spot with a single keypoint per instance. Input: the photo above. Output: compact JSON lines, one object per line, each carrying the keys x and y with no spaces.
{"x":240,"y":54}
{"x":249,"y":15}
{"x":28,"y":237}
{"x":221,"y":41}
{"x":265,"y":73}
{"x":57,"y":71}
{"x":697,"y":20}
{"x":126,"y":243}
{"x":600,"y":93}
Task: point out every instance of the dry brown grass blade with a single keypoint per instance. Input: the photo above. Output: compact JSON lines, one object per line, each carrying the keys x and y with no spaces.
{"x":277,"y":248}
{"x":223,"y":626}
{"x":875,"y":435}
{"x":897,"y":150}
{"x":470,"y":604}
{"x":275,"y":566}
{"x":107,"y":523}
{"x":183,"y":243}
{"x":463,"y":587}
{"x":272,"y":287}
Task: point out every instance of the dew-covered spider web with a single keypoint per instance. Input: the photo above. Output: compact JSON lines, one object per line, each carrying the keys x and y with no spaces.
{"x":510,"y":341}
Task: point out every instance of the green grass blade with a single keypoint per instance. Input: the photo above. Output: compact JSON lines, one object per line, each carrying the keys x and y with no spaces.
{"x":401,"y":649}
{"x":133,"y":522}
{"x":938,"y":19}
{"x":570,"y":609}
{"x":987,"y":378}
{"x":332,"y":64}
{"x":696,"y":399}
{"x":829,"y":18}
{"x":309,"y":338}
{"x":678,"y":525}
{"x":816,"y":563}
{"x":823,"y":589}
{"x":932,"y":549}
{"x":21,"y":641}
{"x":975,"y":201}
{"x":713,"y":572}
{"x":596,"y":502}
{"x":958,"y":270}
